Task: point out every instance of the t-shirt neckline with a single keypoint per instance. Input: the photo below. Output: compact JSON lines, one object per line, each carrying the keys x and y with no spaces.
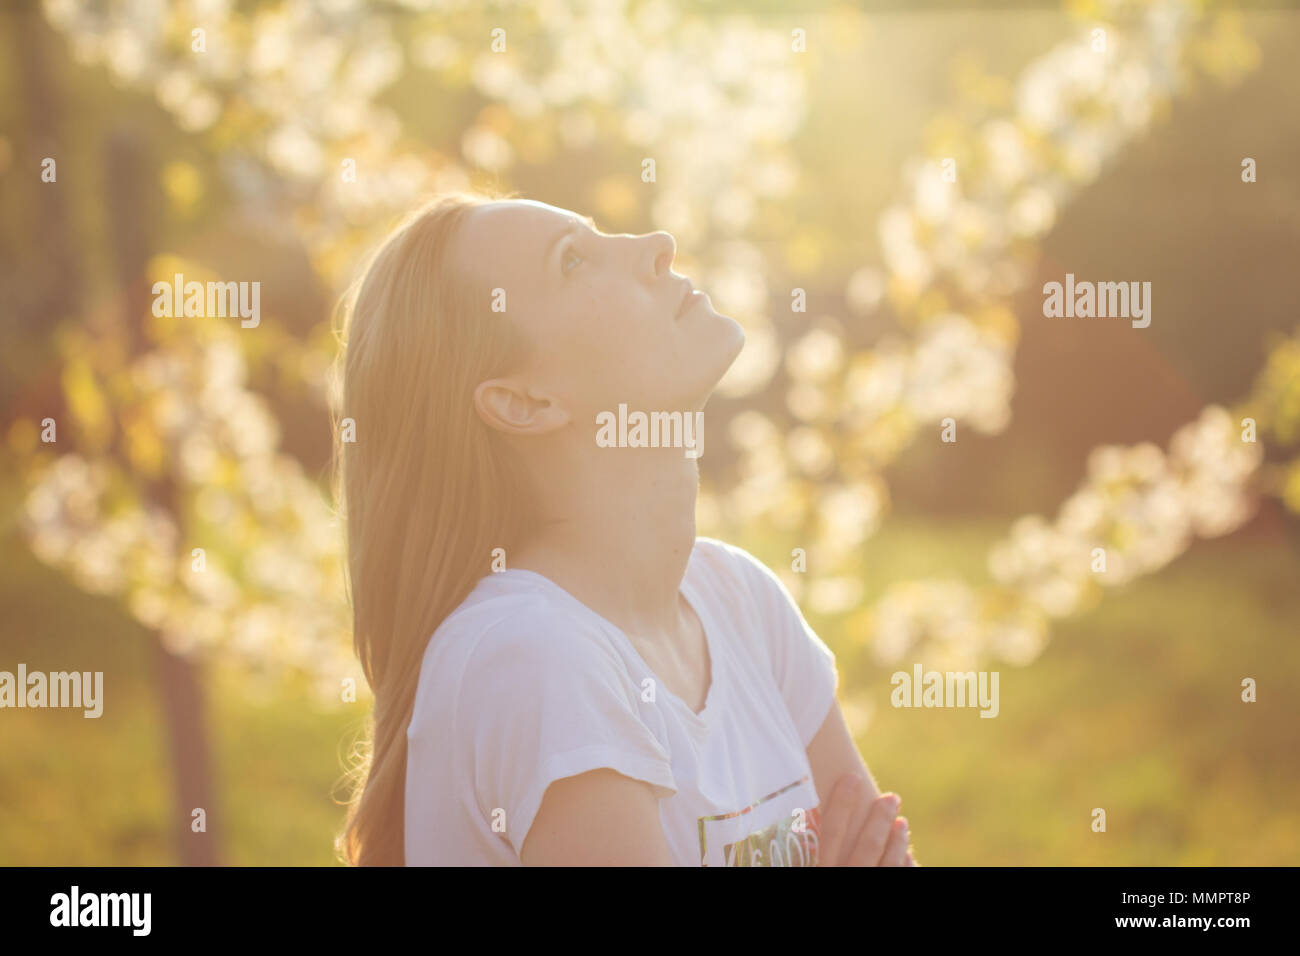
{"x":712,"y":700}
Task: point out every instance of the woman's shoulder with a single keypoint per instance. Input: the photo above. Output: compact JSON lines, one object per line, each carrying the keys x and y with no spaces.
{"x":729,"y":560}
{"x":511,"y":622}
{"x":743,"y":583}
{"x":512,"y":654}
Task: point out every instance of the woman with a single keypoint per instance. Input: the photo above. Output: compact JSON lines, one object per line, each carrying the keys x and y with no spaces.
{"x":563,"y":673}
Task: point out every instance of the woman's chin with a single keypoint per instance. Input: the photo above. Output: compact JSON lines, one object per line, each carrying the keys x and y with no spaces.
{"x":734,"y":340}
{"x":730,"y":342}
{"x":713,"y":343}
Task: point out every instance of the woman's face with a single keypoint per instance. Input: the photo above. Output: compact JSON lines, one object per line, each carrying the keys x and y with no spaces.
{"x":607,"y":319}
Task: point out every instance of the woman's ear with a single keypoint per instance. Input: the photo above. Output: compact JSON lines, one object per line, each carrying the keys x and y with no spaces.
{"x":508,"y":406}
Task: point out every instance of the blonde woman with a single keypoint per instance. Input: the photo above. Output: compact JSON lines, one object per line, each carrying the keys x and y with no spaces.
{"x":563,"y":673}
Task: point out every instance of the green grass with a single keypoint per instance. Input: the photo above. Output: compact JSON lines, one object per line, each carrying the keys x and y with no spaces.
{"x":96,"y":792}
{"x":1133,"y":707}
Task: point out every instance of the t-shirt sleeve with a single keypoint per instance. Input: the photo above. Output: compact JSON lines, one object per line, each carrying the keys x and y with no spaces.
{"x":542,"y":700}
{"x":804,"y":667}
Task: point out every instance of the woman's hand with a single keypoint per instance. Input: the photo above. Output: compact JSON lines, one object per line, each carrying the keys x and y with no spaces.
{"x":859,"y":831}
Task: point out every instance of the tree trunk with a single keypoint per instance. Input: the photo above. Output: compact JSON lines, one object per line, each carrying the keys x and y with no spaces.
{"x":182,"y":710}
{"x":134,"y":211}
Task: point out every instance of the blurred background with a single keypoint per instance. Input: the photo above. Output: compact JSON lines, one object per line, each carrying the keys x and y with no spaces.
{"x":877,"y":191}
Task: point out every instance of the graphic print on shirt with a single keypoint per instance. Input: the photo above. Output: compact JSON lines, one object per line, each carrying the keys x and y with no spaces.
{"x":778,"y":843}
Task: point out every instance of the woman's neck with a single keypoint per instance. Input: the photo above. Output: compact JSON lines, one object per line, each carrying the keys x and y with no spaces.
{"x":617,"y":533}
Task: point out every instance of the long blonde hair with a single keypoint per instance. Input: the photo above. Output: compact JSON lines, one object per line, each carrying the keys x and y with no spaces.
{"x":426,"y":490}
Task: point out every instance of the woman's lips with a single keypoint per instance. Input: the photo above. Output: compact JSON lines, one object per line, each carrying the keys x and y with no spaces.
{"x":689,"y":299}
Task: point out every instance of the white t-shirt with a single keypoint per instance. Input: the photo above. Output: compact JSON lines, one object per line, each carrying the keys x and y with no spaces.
{"x":523,"y":685}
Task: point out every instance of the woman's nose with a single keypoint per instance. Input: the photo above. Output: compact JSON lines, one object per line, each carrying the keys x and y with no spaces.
{"x":661,"y":248}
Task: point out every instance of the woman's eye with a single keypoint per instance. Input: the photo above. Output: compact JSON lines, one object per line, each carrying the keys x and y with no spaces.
{"x":569,"y":261}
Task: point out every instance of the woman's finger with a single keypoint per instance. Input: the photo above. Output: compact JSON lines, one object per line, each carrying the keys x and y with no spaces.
{"x":896,"y":849}
{"x":874,"y":832}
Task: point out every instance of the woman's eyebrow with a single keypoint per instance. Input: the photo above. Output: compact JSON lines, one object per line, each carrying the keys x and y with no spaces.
{"x":568,"y":228}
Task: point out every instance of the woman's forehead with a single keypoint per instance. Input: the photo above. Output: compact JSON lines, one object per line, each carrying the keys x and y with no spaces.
{"x":517,"y":214}
{"x":513,"y":229}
